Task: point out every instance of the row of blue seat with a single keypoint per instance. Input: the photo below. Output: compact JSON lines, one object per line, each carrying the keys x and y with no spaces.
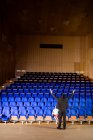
{"x":24,"y":98}
{"x":53,"y":83}
{"x":43,"y":90}
{"x":47,"y":104}
{"x":40,"y":112}
{"x":46,"y":95}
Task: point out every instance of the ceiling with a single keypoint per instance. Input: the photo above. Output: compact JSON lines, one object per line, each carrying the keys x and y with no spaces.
{"x":48,"y":17}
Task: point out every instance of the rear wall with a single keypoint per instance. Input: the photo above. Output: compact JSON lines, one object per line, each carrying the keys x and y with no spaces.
{"x":75,"y":55}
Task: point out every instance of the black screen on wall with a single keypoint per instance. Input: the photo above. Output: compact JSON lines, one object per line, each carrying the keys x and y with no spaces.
{"x":52,"y":46}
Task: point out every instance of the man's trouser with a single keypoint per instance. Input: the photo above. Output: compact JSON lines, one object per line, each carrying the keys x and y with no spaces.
{"x":62,"y":117}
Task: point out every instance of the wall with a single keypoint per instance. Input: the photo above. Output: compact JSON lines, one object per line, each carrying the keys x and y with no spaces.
{"x":89,"y":58}
{"x":7,"y":46}
{"x":75,"y":55}
{"x":7,"y":60}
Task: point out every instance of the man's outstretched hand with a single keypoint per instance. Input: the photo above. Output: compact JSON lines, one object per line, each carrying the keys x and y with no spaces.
{"x":73,"y":91}
{"x":51,"y":91}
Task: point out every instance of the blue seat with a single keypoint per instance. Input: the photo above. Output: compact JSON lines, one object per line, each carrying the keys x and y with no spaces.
{"x":26,"y":90}
{"x":20,"y":103}
{"x":47,"y":112}
{"x":14,"y":112}
{"x":55,"y":91}
{"x":40,"y":87}
{"x":8,"y":89}
{"x":82,"y":95}
{"x":70,"y":104}
{"x":14,"y":115}
{"x":31,"y":99}
{"x":4,"y":99}
{"x":82,"y":104}
{"x":50,"y":99}
{"x":48,"y":90}
{"x":60,"y":90}
{"x":43,"y":90}
{"x":24,"y":86}
{"x":16,"y":94}
{"x":32,"y":91}
{"x":24,"y":99}
{"x":32,"y":84}
{"x":40,"y":95}
{"x":23,"y":115}
{"x":39,"y":112}
{"x":75,"y":104}
{"x":82,"y":99}
{"x":88,"y":104}
{"x":42,"y":84}
{"x":41,"y":104}
{"x":46,"y":87}
{"x":12,"y":104}
{"x":37,"y":91}
{"x":56,"y":87}
{"x":76,"y":94}
{"x":20,"y":90}
{"x":58,"y":94}
{"x":6,"y":108}
{"x":14,"y":90}
{"x":34,"y":95}
{"x":54,"y":103}
{"x":37,"y":84}
{"x":11,"y":99}
{"x":14,"y":108}
{"x":5,"y":115}
{"x":74,"y":112}
{"x":48,"y":104}
{"x":47,"y":94}
{"x":29,"y":108}
{"x":31,"y":112}
{"x":89,"y":112}
{"x":28,"y":94}
{"x":17,"y":99}
{"x":22,"y":112}
{"x":88,"y":100}
{"x":36,"y":108}
{"x":27,"y":104}
{"x":5,"y":104}
{"x":34,"y":87}
{"x":37,"y":99}
{"x":3,"y":94}
{"x":21,"y":108}
{"x":76,"y":100}
{"x":22,"y":94}
{"x":10,"y":94}
{"x":44,"y":99}
{"x":33,"y":104}
{"x":70,"y":100}
{"x":82,"y":111}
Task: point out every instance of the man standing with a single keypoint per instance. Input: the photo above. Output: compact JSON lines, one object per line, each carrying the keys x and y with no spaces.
{"x":62,"y":104}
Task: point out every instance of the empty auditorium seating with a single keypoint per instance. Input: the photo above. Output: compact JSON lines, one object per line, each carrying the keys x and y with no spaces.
{"x":28,"y":99}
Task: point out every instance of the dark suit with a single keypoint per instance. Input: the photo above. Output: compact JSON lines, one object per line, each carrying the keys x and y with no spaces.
{"x":62,"y":104}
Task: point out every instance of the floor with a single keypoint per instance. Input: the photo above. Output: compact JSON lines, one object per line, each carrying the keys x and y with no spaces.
{"x":45,"y":132}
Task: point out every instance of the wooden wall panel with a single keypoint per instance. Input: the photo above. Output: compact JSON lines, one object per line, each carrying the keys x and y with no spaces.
{"x":31,"y":58}
{"x":7,"y":61}
{"x":76,"y":54}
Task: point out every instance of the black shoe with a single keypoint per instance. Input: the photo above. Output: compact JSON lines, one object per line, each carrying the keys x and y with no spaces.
{"x":64,"y":127}
{"x":59,"y":128}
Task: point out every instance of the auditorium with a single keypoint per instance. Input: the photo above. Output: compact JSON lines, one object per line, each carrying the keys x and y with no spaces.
{"x":46,"y":53}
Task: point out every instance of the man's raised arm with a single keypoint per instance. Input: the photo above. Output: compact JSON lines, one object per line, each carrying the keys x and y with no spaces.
{"x":71,"y":94}
{"x":53,"y":94}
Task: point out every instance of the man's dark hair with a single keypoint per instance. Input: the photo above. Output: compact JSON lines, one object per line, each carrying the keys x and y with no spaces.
{"x":63,"y":96}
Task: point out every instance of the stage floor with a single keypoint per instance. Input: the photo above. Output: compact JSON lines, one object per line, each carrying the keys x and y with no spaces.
{"x":45,"y":131}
